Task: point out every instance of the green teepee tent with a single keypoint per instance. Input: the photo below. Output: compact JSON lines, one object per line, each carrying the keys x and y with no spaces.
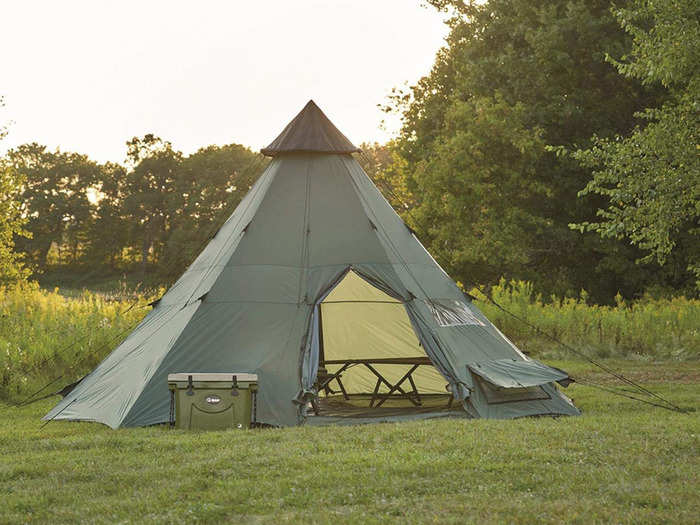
{"x":314,"y":266}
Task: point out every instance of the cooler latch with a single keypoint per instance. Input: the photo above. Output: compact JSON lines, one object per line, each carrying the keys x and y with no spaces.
{"x":234,"y":386}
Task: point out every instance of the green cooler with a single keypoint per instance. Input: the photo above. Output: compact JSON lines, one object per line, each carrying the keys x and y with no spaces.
{"x":206,"y":401}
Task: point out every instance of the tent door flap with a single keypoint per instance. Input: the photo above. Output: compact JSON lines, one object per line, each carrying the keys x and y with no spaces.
{"x":511,"y":373}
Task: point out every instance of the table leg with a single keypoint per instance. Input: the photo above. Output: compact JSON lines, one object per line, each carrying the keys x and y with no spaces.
{"x":397,"y":386}
{"x":382,"y":379}
{"x":342,"y":388}
{"x":374,"y":393}
{"x":324,"y":386}
{"x":415,"y":390}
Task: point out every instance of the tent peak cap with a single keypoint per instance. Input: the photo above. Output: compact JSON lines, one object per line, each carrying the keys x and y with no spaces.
{"x":311,"y":131}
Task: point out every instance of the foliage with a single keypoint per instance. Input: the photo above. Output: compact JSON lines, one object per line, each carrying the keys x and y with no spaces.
{"x":149,"y":202}
{"x":12,"y":222}
{"x":491,"y":197}
{"x":621,"y":462}
{"x":12,"y":225}
{"x":645,"y":329}
{"x":38,"y":329}
{"x":383,"y":165}
{"x":211,"y":182}
{"x":54,"y":197}
{"x":155,"y":212}
{"x":109,"y":216}
{"x":375,"y":158}
{"x":650,"y":179}
{"x":44,"y":335}
{"x":665,"y":47}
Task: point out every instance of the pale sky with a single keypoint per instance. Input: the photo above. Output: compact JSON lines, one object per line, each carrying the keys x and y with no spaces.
{"x":86,"y":76}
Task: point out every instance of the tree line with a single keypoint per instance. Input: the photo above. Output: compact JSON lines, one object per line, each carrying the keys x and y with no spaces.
{"x":149,"y":216}
{"x":553,"y":142}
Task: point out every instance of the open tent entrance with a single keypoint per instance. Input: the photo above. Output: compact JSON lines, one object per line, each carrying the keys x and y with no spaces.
{"x":371,"y":362}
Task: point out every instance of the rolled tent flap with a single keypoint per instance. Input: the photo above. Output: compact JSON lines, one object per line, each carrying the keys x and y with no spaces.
{"x":511,"y":373}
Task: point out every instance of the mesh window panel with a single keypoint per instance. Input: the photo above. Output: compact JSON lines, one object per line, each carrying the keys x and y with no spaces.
{"x":495,"y":394}
{"x":451,"y":312}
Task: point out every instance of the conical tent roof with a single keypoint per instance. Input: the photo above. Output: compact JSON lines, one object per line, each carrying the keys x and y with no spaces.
{"x":251,"y":301}
{"x":310,"y":132}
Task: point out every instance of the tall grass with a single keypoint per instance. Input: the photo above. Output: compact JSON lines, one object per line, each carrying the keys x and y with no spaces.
{"x":45,"y":335}
{"x":644,"y":329}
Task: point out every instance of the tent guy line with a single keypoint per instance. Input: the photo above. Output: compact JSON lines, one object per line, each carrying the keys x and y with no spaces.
{"x":254,"y":164}
{"x":618,"y":375}
{"x":640,"y":389}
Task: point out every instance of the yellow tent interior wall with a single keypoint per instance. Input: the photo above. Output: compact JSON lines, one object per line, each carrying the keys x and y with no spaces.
{"x":360,"y":322}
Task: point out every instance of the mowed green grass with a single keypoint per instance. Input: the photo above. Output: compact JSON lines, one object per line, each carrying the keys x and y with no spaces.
{"x":621,"y":462}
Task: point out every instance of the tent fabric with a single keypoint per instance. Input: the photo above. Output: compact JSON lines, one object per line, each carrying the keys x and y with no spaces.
{"x":557,"y":404}
{"x":362,"y":322}
{"x":512,"y":373}
{"x":310,"y":131}
{"x":249,"y":303}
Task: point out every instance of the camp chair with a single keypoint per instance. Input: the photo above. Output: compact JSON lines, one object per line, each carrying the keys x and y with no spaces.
{"x":324,"y":379}
{"x":322,"y":384}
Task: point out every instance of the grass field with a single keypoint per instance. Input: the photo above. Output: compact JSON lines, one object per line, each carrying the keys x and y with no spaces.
{"x":621,"y":462}
{"x":45,"y":335}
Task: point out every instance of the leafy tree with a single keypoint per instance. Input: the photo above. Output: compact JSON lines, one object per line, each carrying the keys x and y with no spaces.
{"x":383,"y":165}
{"x":489,"y":195}
{"x":11,"y":222}
{"x":54,"y":199}
{"x":208,"y":184}
{"x":375,"y":158}
{"x":174,"y":203}
{"x":650,"y":179}
{"x":161,"y":208}
{"x":150,"y":198}
{"x":108,"y":237}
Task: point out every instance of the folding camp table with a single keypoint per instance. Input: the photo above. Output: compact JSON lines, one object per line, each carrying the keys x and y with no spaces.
{"x":412,"y":395}
{"x":325,"y":378}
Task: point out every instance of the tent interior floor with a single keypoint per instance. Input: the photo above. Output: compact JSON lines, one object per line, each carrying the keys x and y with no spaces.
{"x":357,"y":406}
